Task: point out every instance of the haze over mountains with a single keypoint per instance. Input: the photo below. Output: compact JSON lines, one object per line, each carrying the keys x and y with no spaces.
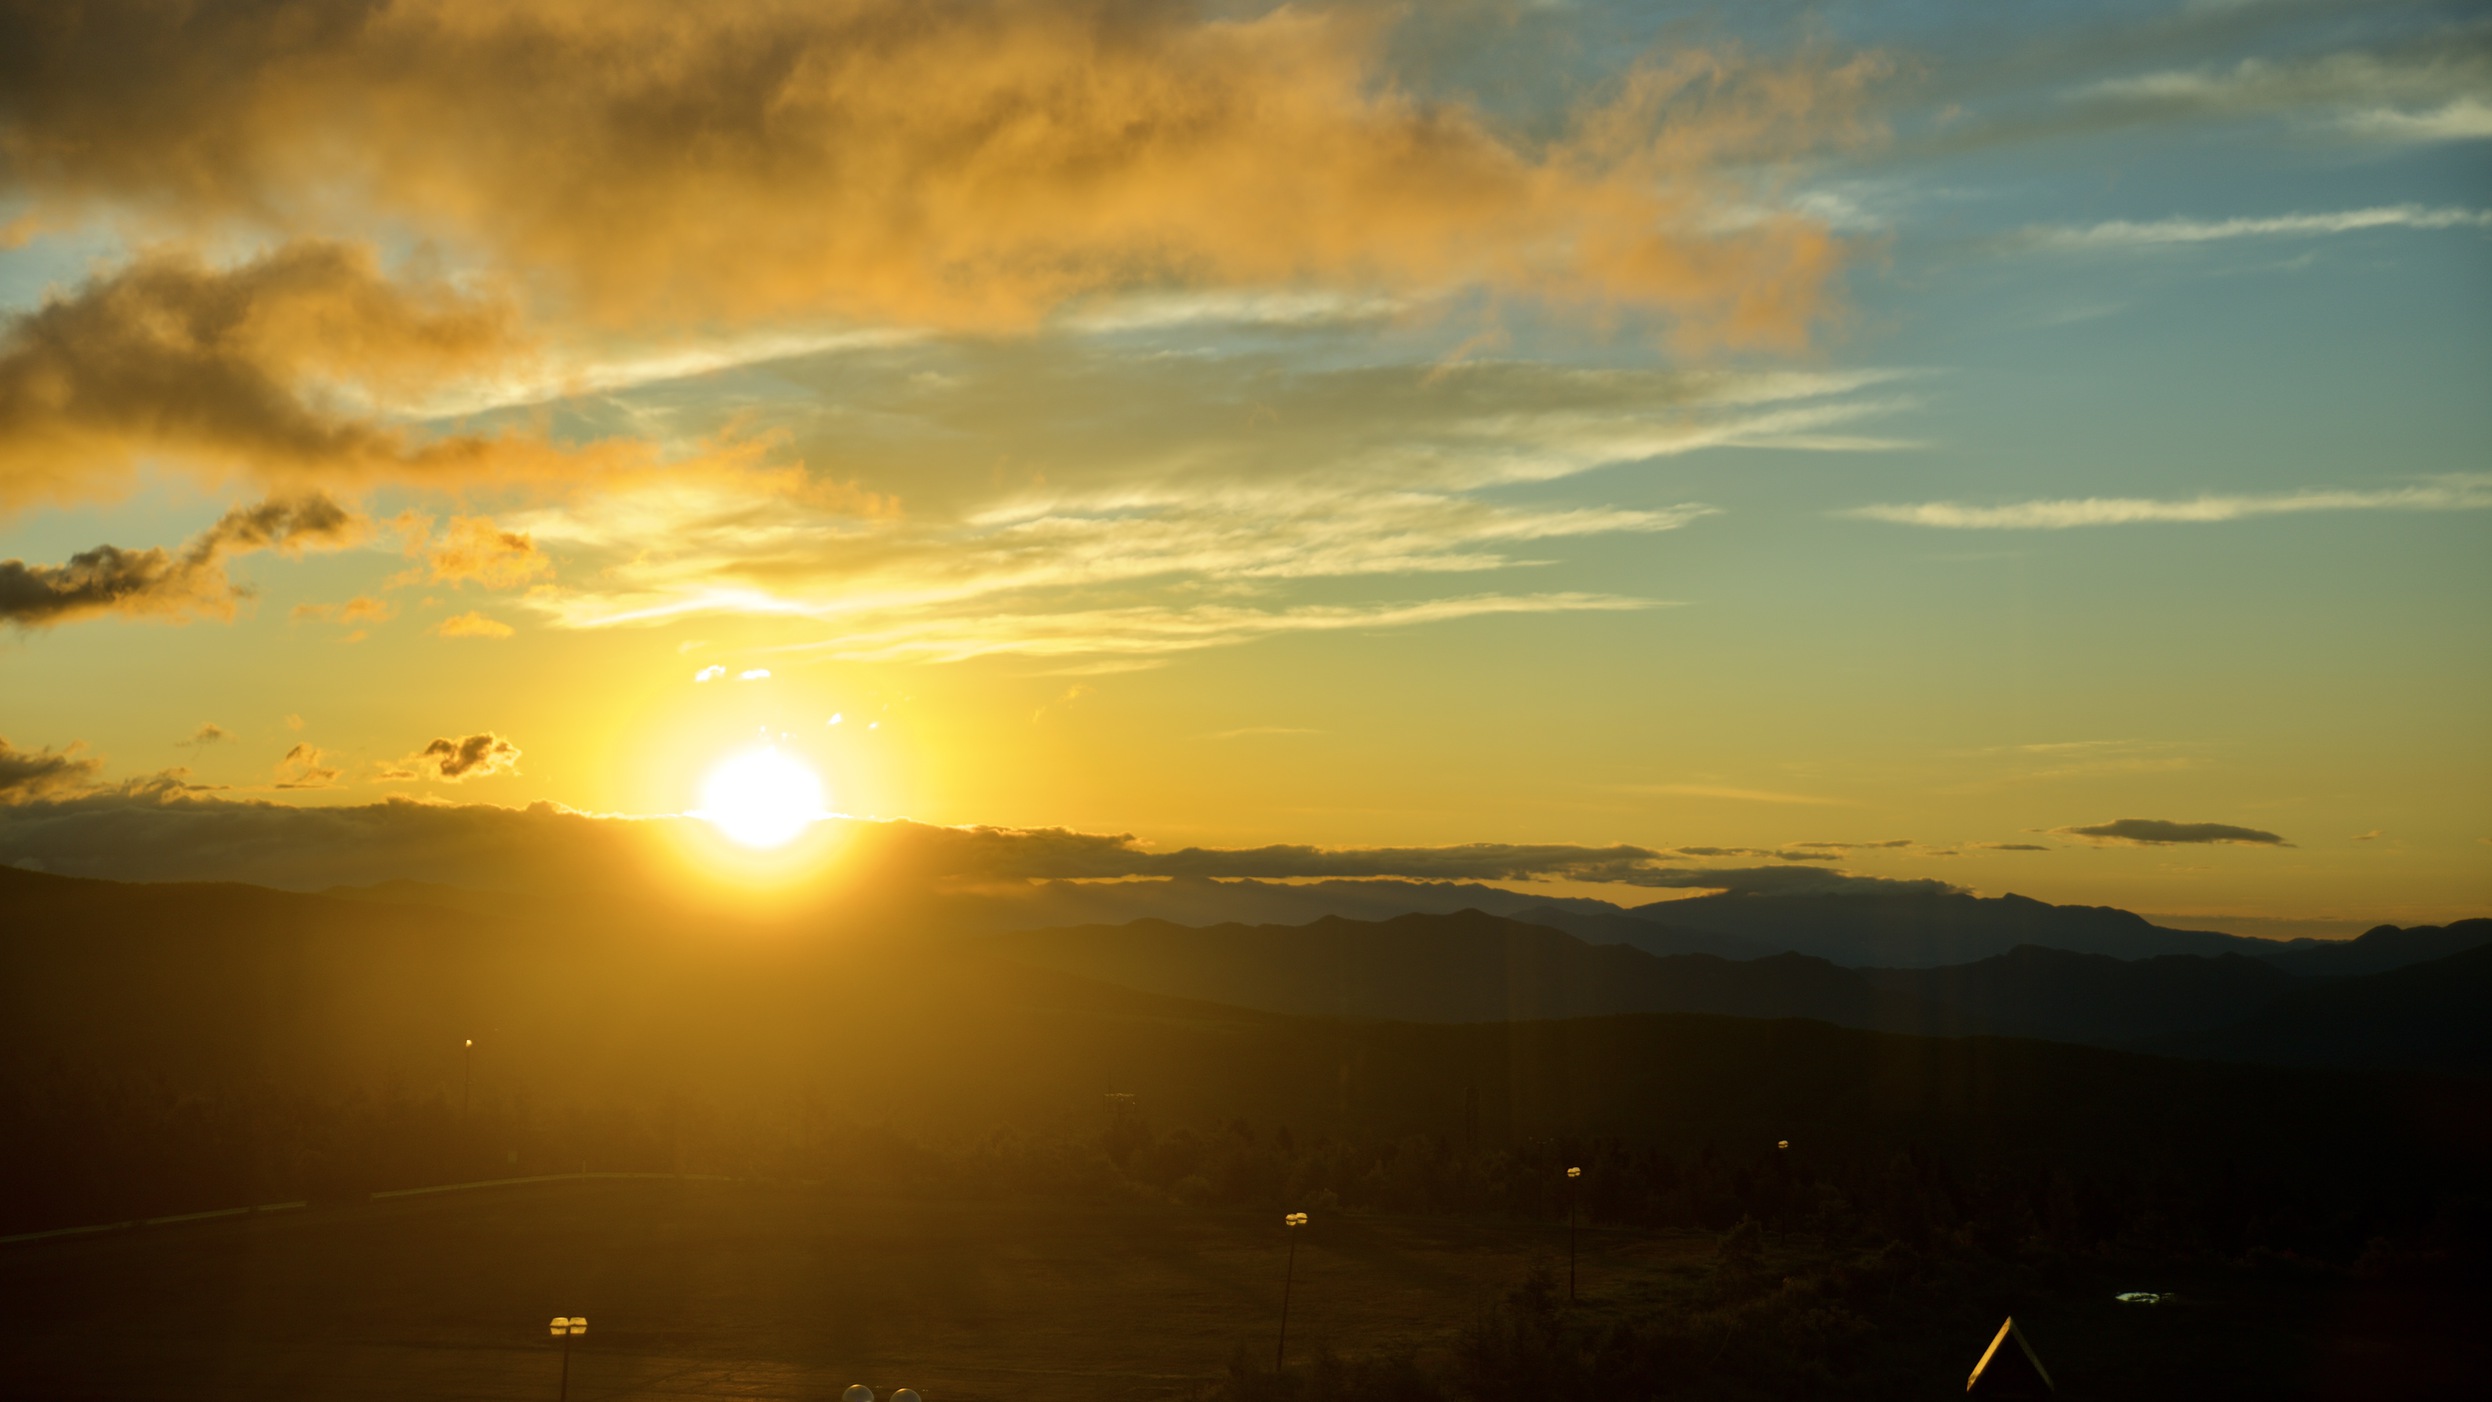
{"x":1471,"y":967}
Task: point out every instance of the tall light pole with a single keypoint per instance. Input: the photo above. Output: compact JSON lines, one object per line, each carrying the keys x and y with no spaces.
{"x":567,"y":1327}
{"x":1290,"y":1225}
{"x":467,"y":1075}
{"x":1573,"y":1176}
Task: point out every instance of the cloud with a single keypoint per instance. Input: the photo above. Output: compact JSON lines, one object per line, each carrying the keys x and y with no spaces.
{"x":2011,"y":846}
{"x":176,"y":584}
{"x":1152,"y":535}
{"x":1783,"y":881}
{"x":2466,"y":119}
{"x":2430,"y":93}
{"x":2124,"y":233}
{"x":252,"y":369}
{"x":164,"y":834}
{"x":472,"y":625}
{"x":967,"y":165}
{"x":1164,"y":629}
{"x":2158,"y":832}
{"x":2453,"y":493}
{"x":474,"y":549}
{"x":35,"y":774}
{"x":302,"y":768}
{"x":1793,"y":853}
{"x":477,"y":756}
{"x":208,"y":733}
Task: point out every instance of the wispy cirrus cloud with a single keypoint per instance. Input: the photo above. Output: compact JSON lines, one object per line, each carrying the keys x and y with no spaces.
{"x":1155,"y":537}
{"x":2455,"y":493}
{"x":2125,"y":233}
{"x":2427,"y":92}
{"x":1157,"y":629}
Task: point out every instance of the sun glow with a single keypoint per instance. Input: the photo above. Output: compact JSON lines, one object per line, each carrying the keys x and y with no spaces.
{"x":761,"y":797}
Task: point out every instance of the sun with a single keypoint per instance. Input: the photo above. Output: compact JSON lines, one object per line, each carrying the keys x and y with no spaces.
{"x":761,"y":797}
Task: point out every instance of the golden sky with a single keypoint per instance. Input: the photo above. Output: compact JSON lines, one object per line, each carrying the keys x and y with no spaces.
{"x":2044,"y":455}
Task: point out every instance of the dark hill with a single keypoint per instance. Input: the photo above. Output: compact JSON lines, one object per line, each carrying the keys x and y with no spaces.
{"x":1465,"y":967}
{"x":2434,"y":1016}
{"x":2037,"y":992}
{"x":1917,"y":929}
{"x":1650,"y":935}
{"x":176,"y":1048}
{"x":2381,"y":948}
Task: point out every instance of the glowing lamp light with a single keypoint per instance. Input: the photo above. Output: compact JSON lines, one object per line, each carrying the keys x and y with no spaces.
{"x":565,"y":1325}
{"x":761,"y":798}
{"x":1294,"y":1219}
{"x":1574,"y":1173}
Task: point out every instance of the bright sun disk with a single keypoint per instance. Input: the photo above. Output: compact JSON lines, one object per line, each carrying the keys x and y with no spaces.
{"x":761,"y":798}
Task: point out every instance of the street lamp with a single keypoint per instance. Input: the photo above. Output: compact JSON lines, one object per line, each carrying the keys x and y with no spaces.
{"x":467,"y":1075}
{"x":567,"y":1327}
{"x":1573,"y":1175}
{"x":1290,"y":1225}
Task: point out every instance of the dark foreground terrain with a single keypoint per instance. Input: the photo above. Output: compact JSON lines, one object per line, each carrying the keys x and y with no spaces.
{"x":899,"y":1161}
{"x":732,"y":1290}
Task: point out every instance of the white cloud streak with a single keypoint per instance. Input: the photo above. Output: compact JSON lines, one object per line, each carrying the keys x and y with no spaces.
{"x":2463,"y":493}
{"x":2124,"y":233}
{"x":1228,"y":529}
{"x":2425,"y":95}
{"x":1154,"y":629}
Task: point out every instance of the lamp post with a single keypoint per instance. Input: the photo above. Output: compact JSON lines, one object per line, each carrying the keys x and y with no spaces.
{"x":566,"y":1328}
{"x":467,"y":1075}
{"x":1573,"y":1176}
{"x":1290,"y":1225}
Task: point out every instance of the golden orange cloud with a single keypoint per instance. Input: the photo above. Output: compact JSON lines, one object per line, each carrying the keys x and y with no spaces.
{"x":289,"y":367}
{"x":474,"y":548}
{"x":968,"y":165}
{"x":472,"y":625}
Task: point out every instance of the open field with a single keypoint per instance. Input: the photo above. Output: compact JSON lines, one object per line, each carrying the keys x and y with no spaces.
{"x":732,"y":1290}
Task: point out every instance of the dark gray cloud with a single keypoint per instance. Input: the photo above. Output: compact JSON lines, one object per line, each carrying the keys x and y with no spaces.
{"x":2160,"y":832}
{"x":172,"y":833}
{"x":233,"y":369}
{"x":191,"y":580}
{"x":304,"y":767}
{"x":1796,"y":852}
{"x":33,"y":774}
{"x":1776,"y":881}
{"x":473,"y":756}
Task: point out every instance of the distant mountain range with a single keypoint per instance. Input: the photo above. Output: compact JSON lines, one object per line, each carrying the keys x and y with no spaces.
{"x":321,"y":1044}
{"x":1904,"y":929}
{"x":1900,"y":929}
{"x":1471,"y":966}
